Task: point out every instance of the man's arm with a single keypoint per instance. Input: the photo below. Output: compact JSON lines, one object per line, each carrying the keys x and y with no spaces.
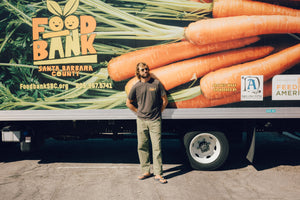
{"x":130,"y":105}
{"x":164,"y":103}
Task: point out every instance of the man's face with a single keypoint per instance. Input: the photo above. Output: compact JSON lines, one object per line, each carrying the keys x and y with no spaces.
{"x":144,"y":71}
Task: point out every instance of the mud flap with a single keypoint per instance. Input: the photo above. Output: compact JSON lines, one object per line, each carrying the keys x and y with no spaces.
{"x":251,"y":151}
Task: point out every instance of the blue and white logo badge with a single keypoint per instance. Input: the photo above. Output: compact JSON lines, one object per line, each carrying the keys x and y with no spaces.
{"x":252,"y":88}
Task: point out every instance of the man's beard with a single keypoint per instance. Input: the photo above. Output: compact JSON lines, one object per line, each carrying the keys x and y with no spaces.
{"x":145,"y":76}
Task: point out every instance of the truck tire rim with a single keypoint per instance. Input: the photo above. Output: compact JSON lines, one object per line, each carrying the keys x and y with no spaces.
{"x":205,"y":148}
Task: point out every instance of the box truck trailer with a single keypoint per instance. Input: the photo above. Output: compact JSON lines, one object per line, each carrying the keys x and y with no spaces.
{"x":67,"y":67}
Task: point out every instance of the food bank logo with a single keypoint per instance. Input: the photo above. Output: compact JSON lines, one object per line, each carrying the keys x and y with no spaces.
{"x":63,"y":38}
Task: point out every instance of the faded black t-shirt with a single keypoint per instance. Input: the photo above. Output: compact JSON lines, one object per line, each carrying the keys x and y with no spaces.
{"x":148,"y":97}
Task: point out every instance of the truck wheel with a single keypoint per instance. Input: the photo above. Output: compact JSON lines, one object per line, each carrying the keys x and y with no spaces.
{"x":206,"y":150}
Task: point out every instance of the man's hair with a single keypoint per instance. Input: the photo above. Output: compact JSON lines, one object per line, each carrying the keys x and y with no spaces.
{"x":137,"y":71}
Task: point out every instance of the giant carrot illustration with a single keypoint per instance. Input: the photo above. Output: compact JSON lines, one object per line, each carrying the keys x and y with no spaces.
{"x":182,"y":72}
{"x":226,"y":8}
{"x":268,"y":67}
{"x":229,"y":28}
{"x":202,"y":102}
{"x":123,"y":67}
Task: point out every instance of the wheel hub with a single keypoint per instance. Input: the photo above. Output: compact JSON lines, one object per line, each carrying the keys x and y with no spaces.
{"x":204,"y":146}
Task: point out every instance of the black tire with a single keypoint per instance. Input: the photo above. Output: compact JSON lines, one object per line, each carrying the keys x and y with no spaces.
{"x":206,"y":150}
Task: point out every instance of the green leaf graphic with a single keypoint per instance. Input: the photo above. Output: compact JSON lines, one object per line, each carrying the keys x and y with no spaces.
{"x":71,"y":7}
{"x":54,"y":8}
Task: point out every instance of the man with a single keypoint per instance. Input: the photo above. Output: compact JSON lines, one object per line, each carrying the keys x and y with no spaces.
{"x":151,"y":99}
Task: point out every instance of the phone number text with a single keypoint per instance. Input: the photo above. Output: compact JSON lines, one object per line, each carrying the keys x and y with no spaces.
{"x":94,"y":85}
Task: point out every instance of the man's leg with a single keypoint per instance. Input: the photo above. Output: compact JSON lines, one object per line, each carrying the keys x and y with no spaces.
{"x":143,"y":145}
{"x":155,"y":134}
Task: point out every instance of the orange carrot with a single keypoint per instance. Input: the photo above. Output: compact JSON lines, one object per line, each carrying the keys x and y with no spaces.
{"x":182,"y":72}
{"x":216,"y":30}
{"x":216,"y":84}
{"x":203,"y":1}
{"x":226,"y":8}
{"x":288,"y":3}
{"x":123,"y":67}
{"x":202,"y":102}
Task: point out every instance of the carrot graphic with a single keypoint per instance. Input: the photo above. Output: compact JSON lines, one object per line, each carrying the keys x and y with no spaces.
{"x":203,"y":1}
{"x":123,"y":67}
{"x":182,"y":72}
{"x":268,"y":67}
{"x":202,"y":102}
{"x":229,"y":28}
{"x":226,"y":8}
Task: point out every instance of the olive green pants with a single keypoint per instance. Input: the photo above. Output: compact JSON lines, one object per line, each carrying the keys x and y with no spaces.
{"x":149,"y":130}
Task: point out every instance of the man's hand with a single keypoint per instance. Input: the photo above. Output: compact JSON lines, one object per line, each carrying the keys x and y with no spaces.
{"x":164,"y":103}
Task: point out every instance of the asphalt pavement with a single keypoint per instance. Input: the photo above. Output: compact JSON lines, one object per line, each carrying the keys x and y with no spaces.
{"x":108,"y":169}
